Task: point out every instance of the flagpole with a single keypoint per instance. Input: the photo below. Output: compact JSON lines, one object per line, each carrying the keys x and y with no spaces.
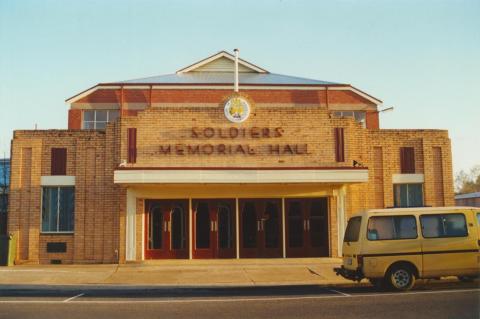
{"x":236,"y":70}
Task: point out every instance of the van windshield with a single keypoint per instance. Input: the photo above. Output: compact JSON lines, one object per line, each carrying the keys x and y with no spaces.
{"x":353,"y":229}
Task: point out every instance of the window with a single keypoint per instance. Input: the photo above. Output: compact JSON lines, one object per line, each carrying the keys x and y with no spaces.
{"x":359,"y":116}
{"x":98,"y":119}
{"x":353,"y":229}
{"x":58,"y":205}
{"x":392,"y":227}
{"x":407,"y":160}
{"x":408,"y":195}
{"x":59,"y":161}
{"x":478,"y":218}
{"x":443,"y":225}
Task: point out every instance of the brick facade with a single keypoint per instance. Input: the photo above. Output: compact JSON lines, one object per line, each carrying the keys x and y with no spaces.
{"x":184,"y":128}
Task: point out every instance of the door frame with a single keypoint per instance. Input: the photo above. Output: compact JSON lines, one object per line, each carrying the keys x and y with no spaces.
{"x":166,"y":252}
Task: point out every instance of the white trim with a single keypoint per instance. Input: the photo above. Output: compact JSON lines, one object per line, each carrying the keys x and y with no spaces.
{"x":130,"y":253}
{"x":341,"y":220}
{"x":241,"y":176}
{"x":57,"y":180}
{"x":91,"y":90}
{"x":408,"y":178}
{"x":241,"y":86}
{"x":219,"y":55}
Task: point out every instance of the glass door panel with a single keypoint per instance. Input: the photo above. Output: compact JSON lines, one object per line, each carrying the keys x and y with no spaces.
{"x":225,"y":229}
{"x":178,"y":228}
{"x":295,"y":225}
{"x":249,"y":225}
{"x":155,"y":228}
{"x":271,"y":225}
{"x":202,"y":226}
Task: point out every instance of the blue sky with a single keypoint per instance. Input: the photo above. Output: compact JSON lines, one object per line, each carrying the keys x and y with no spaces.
{"x":422,"y":57}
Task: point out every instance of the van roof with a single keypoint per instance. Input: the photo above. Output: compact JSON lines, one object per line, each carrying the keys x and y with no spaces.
{"x":415,"y":210}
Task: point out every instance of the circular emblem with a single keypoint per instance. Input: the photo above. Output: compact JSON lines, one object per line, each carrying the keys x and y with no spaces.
{"x":237,"y":109}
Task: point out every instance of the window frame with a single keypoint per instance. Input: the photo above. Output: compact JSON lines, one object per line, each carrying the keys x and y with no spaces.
{"x":407,"y":185}
{"x":95,"y":122}
{"x":50,"y":232}
{"x":393,"y":216}
{"x":443,"y":214}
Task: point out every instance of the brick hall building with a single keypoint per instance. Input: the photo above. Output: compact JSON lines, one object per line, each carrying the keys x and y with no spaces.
{"x":222,"y":159}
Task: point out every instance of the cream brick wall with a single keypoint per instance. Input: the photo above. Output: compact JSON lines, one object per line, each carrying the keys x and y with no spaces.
{"x":100,"y":206}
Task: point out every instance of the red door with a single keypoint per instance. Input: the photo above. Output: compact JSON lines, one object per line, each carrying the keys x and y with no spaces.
{"x":260,"y":228}
{"x":307,"y":227}
{"x":166,"y":229}
{"x":214,"y":228}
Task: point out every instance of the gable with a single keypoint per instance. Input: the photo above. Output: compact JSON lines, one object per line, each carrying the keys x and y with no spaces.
{"x":222,"y":64}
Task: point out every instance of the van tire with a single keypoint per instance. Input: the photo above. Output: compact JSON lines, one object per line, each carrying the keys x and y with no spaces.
{"x":400,"y":277}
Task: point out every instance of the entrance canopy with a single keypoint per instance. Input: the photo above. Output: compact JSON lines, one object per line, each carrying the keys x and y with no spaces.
{"x":240,"y":175}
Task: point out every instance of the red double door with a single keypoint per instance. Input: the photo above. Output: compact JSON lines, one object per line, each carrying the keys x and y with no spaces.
{"x":260,"y":228}
{"x":166,"y":225}
{"x":307,"y":227}
{"x":214,"y":228}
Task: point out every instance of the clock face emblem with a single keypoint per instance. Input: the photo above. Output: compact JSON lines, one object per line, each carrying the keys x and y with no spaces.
{"x":237,"y":109}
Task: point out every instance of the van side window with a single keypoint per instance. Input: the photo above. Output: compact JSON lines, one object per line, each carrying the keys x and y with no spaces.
{"x":391,"y":227}
{"x":478,"y":218}
{"x":353,"y":229}
{"x":444,"y":225}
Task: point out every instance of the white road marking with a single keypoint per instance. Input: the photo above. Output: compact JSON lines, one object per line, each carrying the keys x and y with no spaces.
{"x":74,"y":297}
{"x":126,"y":301}
{"x":339,"y":292}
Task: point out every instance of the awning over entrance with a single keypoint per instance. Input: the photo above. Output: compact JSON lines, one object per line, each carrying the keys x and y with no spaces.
{"x":240,"y":175}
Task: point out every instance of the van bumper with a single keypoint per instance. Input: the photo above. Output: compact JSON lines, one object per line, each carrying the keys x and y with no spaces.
{"x":355,"y":275}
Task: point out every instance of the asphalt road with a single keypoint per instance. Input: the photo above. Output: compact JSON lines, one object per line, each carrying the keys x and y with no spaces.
{"x":444,"y":300}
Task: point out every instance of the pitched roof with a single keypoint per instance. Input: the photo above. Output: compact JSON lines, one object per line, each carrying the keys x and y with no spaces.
{"x":218,"y":69}
{"x":225,"y":78}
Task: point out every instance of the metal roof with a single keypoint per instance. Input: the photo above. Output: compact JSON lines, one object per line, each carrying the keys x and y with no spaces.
{"x":226,"y":78}
{"x":469,"y":195}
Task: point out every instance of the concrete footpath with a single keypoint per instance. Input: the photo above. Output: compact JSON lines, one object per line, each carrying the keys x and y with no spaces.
{"x":182,"y":273}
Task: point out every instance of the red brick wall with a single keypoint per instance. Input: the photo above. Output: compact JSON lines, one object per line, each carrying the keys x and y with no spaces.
{"x":74,"y":119}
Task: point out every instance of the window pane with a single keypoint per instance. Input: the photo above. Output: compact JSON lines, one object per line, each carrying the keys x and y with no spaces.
{"x":67,"y":208}
{"x":401,"y":195}
{"x":337,"y":114}
{"x":49,"y":209}
{"x":100,"y":116}
{"x":353,"y":229}
{"x":112,"y":115}
{"x":100,"y":125}
{"x":431,"y":226}
{"x":478,"y":218}
{"x":359,"y":116}
{"x":406,"y":227}
{"x":88,"y":116}
{"x":347,"y":114}
{"x":380,"y":228}
{"x":415,"y":195}
{"x":89,"y":125}
{"x":455,"y":225}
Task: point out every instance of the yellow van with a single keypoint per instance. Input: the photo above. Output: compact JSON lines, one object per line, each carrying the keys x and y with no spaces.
{"x":393,"y":247}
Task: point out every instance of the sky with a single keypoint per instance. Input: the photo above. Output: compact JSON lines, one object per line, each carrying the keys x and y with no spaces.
{"x":421,"y":57}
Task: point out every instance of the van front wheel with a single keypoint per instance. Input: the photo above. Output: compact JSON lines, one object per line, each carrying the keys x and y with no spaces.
{"x":400,"y":277}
